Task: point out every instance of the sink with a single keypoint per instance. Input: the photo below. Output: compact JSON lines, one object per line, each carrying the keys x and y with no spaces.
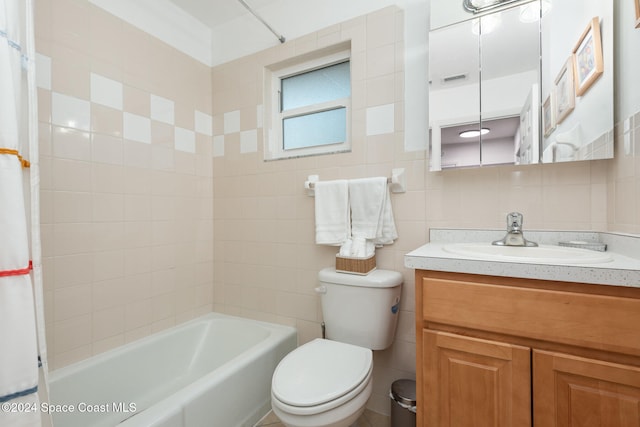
{"x":543,"y":254}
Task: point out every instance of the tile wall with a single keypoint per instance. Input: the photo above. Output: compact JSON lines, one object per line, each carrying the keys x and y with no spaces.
{"x":265,"y":257}
{"x":126,"y":161}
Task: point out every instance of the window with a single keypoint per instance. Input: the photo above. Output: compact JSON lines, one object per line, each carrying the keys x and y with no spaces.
{"x":309,"y":107}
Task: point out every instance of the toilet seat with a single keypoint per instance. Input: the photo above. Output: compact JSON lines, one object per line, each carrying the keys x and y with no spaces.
{"x":321,"y":375}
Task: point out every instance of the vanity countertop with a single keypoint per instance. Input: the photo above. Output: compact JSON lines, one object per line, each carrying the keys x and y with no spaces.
{"x":622,"y":270}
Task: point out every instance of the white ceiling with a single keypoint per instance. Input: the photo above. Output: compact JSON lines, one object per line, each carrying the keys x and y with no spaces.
{"x":214,"y":13}
{"x":219,"y":31}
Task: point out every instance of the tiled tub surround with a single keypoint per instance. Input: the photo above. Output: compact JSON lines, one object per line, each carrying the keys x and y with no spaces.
{"x":125,"y":130}
{"x":622,"y":270}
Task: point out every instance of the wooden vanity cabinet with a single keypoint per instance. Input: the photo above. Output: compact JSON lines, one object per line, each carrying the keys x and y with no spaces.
{"x":507,"y":352}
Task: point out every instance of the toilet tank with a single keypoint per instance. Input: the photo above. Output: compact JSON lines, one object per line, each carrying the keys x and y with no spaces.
{"x":360,"y":310}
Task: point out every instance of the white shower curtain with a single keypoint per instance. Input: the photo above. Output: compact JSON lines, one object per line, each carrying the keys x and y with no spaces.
{"x":22,"y":343}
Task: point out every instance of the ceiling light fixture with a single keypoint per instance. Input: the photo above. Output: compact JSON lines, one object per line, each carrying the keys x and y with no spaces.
{"x":473,"y":133}
{"x":478,"y":6}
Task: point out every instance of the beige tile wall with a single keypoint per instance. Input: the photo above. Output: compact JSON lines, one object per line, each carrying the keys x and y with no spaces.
{"x":265,"y":258}
{"x":126,"y":218}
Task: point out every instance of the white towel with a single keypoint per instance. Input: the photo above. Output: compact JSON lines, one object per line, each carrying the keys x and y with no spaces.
{"x":371,"y":213}
{"x":332,"y":212}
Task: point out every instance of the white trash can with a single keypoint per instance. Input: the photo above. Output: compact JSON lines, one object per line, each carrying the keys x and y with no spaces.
{"x":403,"y":403}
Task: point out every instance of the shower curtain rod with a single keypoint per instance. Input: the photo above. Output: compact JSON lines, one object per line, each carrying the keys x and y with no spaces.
{"x":259,"y":18}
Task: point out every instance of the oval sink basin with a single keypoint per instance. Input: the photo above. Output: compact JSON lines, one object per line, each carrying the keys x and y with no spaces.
{"x":543,"y":254}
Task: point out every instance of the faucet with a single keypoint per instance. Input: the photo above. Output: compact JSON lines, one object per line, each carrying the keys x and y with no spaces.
{"x":514,"y":236}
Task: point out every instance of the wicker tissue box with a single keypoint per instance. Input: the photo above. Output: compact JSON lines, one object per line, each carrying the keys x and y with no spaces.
{"x":354,"y":265}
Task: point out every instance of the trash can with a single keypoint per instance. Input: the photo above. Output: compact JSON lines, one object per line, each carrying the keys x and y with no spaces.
{"x":403,"y":403}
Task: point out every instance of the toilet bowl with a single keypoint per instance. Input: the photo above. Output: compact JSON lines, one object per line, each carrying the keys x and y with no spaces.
{"x":327,"y":382}
{"x":322,"y":384}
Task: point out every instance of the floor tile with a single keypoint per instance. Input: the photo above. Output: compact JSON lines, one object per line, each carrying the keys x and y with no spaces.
{"x":368,"y":419}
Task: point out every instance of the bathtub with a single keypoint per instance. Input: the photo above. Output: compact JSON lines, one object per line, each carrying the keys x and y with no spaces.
{"x":213,"y":371}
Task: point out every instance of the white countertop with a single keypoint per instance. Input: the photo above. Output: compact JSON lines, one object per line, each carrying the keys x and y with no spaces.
{"x":622,"y":270}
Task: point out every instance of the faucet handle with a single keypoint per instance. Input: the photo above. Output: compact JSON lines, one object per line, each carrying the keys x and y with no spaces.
{"x":514,"y":221}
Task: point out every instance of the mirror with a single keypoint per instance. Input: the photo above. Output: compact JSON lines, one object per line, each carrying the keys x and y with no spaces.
{"x":509,"y":76}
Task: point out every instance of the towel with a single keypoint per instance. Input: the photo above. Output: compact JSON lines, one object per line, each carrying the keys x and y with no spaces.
{"x":371,"y":212}
{"x":332,"y":212}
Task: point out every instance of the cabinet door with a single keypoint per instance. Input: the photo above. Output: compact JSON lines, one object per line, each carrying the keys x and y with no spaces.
{"x":578,"y":392}
{"x":470,"y":382}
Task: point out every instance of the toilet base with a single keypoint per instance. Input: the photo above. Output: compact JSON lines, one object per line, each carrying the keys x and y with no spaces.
{"x":341,"y":416}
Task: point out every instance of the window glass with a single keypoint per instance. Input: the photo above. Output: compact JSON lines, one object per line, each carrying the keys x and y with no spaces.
{"x":311,"y":130}
{"x":316,"y":87}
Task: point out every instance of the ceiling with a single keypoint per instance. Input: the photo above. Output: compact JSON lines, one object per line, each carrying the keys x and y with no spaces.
{"x":218,"y":31}
{"x":214,"y":13}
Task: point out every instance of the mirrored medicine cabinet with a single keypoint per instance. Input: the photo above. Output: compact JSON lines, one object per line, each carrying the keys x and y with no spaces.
{"x":524,"y":82}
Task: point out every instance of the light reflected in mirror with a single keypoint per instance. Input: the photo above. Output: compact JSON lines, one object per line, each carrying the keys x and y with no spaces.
{"x":498,"y":142}
{"x":508,"y":64}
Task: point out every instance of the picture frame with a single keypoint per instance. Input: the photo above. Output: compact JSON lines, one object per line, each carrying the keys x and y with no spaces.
{"x":548,"y":115}
{"x":587,"y":57}
{"x":564,"y":97}
{"x":637,"y":3}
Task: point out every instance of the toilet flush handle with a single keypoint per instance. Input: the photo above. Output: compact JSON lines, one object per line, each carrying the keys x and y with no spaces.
{"x":321,"y":289}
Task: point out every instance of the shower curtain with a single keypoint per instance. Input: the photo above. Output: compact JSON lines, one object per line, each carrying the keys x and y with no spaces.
{"x":22,"y":346}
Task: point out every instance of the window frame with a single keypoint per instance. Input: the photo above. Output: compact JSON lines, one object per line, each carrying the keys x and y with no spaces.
{"x":273,"y":132}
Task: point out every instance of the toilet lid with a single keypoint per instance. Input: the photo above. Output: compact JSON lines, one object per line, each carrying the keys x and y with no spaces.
{"x":319,"y":372}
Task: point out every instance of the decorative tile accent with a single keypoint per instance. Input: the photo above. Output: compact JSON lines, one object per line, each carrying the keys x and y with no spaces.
{"x":249,"y":141}
{"x":380,"y":119}
{"x":162,"y":109}
{"x":218,"y":146}
{"x":204,"y":123}
{"x":43,"y":71}
{"x":259,"y":116}
{"x":71,"y":112}
{"x":106,"y":92}
{"x":232,"y":122}
{"x":137,"y":128}
{"x":185,"y":140}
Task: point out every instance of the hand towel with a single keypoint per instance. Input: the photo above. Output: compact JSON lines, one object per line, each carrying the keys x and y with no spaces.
{"x":389,"y":232}
{"x":367,"y":201}
{"x":332,"y":212}
{"x":371,"y":212}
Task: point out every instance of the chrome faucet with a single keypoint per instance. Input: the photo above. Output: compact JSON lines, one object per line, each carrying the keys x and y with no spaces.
{"x":514,"y":236}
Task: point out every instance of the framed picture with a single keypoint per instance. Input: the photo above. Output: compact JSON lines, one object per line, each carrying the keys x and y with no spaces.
{"x":565,"y":100}
{"x":637,"y":2}
{"x":548,"y":116}
{"x":587,"y":57}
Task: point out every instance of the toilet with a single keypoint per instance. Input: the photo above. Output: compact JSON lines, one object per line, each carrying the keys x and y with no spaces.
{"x":327,"y":382}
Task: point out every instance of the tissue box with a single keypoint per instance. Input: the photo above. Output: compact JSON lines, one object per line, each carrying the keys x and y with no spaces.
{"x":352,"y":265}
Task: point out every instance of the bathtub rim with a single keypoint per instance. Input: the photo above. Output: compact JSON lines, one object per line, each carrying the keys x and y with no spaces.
{"x":97,"y":358}
{"x":173,"y":404}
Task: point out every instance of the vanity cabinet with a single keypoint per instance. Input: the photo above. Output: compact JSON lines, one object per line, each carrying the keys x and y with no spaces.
{"x":499,"y":351}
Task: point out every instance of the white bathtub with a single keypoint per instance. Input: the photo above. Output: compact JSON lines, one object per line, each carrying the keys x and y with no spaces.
{"x":214,"y":371}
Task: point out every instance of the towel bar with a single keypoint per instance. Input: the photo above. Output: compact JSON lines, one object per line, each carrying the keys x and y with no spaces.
{"x":397,"y":182}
